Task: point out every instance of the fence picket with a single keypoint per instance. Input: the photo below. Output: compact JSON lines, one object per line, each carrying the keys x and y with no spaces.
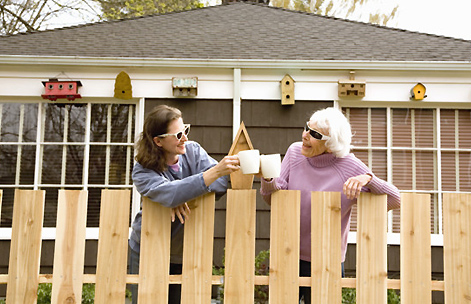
{"x":25,"y":248}
{"x":240,"y":246}
{"x":416,"y":253}
{"x":371,"y":249}
{"x":457,"y":247}
{"x":154,"y":253}
{"x":326,"y":259}
{"x":284,"y":247}
{"x":112,"y":247}
{"x":198,"y":251}
{"x":69,"y":251}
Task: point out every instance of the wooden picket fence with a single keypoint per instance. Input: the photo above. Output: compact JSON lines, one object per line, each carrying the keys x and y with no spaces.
{"x":111,"y":275}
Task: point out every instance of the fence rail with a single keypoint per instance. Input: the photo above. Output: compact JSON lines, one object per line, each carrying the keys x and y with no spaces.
{"x":196,"y":279}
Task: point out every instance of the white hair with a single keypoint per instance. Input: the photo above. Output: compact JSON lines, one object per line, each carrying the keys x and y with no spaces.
{"x":333,"y":121}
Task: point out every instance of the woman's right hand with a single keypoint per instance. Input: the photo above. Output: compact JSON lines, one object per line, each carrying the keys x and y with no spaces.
{"x":226,"y":166}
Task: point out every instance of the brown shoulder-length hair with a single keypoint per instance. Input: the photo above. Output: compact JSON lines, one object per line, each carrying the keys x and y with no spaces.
{"x":149,"y":155}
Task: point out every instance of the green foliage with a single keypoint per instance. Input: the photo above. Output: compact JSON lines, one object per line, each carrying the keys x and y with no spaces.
{"x":349,"y":296}
{"x":88,"y":294}
{"x":356,"y":9}
{"x":44,"y":293}
{"x":113,"y":9}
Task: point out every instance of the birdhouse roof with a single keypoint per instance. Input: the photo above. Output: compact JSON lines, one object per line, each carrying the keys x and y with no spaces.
{"x":236,"y":31}
{"x":78,"y":82}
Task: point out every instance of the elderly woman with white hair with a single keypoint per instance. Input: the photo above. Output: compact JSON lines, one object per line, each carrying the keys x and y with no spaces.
{"x":323,"y":162}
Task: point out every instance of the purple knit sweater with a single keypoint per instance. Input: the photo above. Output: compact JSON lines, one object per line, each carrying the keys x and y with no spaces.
{"x":324,"y":172}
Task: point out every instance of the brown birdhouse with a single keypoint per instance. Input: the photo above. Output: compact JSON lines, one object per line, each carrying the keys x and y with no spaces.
{"x":287,"y":90}
{"x":55,"y":89}
{"x":241,"y":142}
{"x":352,"y":87}
{"x":122,"y":86}
{"x":418,"y":92}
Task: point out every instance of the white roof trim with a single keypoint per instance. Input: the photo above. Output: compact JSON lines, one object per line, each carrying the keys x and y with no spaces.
{"x":236,"y":63}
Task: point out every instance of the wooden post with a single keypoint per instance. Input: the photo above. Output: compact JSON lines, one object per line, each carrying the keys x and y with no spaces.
{"x":112,"y":247}
{"x":155,"y":253}
{"x":457,"y":247}
{"x":284,"y":247}
{"x":416,"y":255}
{"x":326,"y":255}
{"x":69,"y":252}
{"x":371,"y":249}
{"x":240,"y":246}
{"x":198,"y":251}
{"x":25,"y":248}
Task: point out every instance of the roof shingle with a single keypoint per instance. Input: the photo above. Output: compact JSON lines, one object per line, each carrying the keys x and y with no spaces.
{"x":239,"y":30}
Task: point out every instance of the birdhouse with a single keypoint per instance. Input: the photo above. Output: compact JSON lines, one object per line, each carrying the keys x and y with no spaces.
{"x":122,"y":86}
{"x":287,"y":90}
{"x":185,"y":87}
{"x":418,"y":92}
{"x":351,"y":87}
{"x":55,"y":89}
{"x":241,"y":142}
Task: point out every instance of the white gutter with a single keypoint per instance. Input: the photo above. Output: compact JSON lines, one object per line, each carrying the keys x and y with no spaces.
{"x":236,"y":63}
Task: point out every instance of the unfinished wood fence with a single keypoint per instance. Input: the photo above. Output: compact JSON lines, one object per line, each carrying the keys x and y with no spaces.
{"x":111,"y":275}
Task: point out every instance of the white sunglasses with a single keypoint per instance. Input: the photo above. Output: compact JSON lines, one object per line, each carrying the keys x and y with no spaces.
{"x":179,"y":135}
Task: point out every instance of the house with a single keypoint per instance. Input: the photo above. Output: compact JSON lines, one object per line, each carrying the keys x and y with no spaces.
{"x":239,"y":53}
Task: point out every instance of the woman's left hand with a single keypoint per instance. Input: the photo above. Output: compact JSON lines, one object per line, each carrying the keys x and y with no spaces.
{"x":353,"y":185}
{"x":182,"y":212}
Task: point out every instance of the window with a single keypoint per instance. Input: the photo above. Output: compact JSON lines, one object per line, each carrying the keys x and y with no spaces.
{"x":54,"y":146}
{"x":418,"y":150}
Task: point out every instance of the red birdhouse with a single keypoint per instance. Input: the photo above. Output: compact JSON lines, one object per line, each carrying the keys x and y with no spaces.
{"x":56,"y":89}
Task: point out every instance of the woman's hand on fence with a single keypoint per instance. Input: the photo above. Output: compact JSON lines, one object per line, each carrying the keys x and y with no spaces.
{"x":182,"y":212}
{"x":352,"y":187}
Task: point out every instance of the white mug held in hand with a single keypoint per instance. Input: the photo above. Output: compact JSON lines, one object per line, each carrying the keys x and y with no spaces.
{"x":249,"y":161}
{"x":271,"y":165}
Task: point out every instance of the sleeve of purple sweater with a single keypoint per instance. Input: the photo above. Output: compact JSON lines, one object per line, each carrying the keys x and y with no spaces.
{"x":349,"y":167}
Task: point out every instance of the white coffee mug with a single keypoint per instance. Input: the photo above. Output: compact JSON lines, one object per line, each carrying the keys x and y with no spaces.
{"x":271,"y":165}
{"x":249,"y":161}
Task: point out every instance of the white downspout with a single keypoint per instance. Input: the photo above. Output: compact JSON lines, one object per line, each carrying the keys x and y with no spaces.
{"x":236,"y":104}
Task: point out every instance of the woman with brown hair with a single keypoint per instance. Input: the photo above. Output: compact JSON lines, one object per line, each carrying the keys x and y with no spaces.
{"x":172,"y":170}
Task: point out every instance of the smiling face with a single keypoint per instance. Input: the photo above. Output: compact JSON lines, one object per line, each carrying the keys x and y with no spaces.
{"x":170,"y":144}
{"x":311,"y":146}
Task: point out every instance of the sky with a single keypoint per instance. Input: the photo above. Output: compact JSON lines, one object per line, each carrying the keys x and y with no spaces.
{"x":449,"y":18}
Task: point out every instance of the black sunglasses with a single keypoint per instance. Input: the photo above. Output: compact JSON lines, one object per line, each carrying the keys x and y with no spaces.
{"x":314,"y":133}
{"x":178,"y":135}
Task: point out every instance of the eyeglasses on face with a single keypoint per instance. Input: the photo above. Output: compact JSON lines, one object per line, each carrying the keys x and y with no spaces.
{"x":180,"y":134}
{"x":314,"y":133}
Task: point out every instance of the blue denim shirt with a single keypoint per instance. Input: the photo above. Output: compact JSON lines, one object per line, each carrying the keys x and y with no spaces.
{"x":172,"y":188}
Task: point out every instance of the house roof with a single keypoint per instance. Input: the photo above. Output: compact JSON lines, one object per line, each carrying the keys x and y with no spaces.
{"x":238,"y":30}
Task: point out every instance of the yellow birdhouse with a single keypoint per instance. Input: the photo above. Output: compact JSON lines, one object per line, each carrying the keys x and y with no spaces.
{"x":418,"y":92}
{"x":122,"y":86}
{"x":241,"y":142}
{"x":352,"y":87}
{"x":287,"y":90}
